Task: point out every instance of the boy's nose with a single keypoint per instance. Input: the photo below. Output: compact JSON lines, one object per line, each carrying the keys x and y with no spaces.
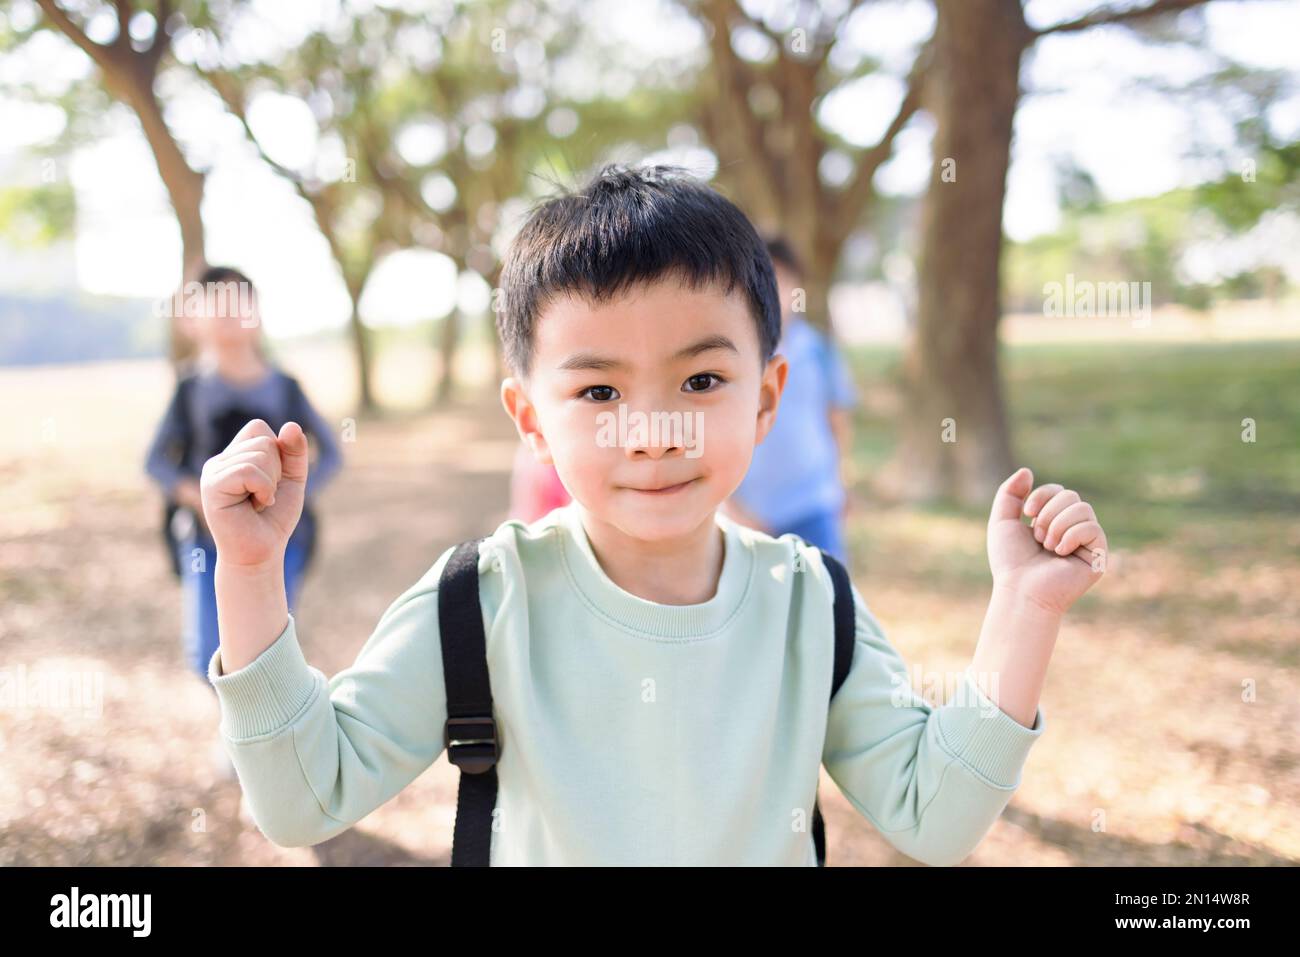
{"x":649,"y":451}
{"x":649,"y":445}
{"x":654,"y":431}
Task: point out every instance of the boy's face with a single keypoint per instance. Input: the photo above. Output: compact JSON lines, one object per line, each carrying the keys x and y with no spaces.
{"x":659,"y":349}
{"x":228,"y":318}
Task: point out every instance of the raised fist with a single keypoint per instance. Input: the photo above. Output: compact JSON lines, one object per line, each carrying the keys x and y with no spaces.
{"x":253,"y":493}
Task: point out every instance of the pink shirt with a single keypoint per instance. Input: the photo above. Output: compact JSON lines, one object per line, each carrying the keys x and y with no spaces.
{"x":535,"y":489}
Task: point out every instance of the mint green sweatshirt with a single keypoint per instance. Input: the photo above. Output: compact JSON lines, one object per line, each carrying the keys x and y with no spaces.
{"x":631,"y":732}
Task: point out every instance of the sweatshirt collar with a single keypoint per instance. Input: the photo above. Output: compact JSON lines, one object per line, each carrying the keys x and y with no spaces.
{"x":648,"y":619}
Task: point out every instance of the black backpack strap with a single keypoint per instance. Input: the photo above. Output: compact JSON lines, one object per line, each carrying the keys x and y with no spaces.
{"x":845,"y":626}
{"x":470,"y":734}
{"x":844,"y":637}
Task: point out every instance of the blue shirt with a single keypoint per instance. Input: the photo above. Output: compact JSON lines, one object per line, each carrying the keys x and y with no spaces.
{"x":795,"y":470}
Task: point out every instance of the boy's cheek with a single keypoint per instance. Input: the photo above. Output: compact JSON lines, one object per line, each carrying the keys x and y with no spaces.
{"x":583,"y":467}
{"x":723,"y":454}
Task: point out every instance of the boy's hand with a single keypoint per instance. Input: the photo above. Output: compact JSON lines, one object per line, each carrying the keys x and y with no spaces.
{"x":1058,"y":558}
{"x":253,"y":493}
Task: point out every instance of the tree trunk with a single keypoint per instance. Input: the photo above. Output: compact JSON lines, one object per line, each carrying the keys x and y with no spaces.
{"x":817,"y":288}
{"x":498,"y":361}
{"x":184,"y":185}
{"x":954,"y":443}
{"x":448,"y":340}
{"x":129,"y":74}
{"x":769,"y":156}
{"x":360,"y":353}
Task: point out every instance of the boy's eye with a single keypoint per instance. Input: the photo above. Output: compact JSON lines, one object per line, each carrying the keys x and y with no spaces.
{"x":599,"y":389}
{"x":705,"y":377}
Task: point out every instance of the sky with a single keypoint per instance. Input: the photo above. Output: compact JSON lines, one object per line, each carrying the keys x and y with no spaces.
{"x":1082,"y":103}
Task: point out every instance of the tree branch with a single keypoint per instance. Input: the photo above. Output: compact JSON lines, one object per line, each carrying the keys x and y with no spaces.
{"x":321,"y":200}
{"x":124,"y":14}
{"x":102,"y":55}
{"x":735,"y":79}
{"x":860,"y":191}
{"x":232,"y":94}
{"x":1111,"y":15}
{"x":826,"y":41}
{"x":162,"y":40}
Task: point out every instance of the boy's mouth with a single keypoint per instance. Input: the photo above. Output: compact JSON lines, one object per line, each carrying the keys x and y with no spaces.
{"x":662,"y":490}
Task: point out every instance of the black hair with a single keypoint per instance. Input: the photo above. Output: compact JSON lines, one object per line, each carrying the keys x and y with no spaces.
{"x":229,"y":274}
{"x":224,"y":274}
{"x":778,"y":247}
{"x":631,"y":225}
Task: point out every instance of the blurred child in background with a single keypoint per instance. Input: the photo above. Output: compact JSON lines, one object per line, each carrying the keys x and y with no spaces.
{"x":795,"y":480}
{"x":230,"y":381}
{"x":535,"y":487}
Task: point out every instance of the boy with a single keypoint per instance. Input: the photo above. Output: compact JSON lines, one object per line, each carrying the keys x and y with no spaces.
{"x":794,"y":483}
{"x":660,"y":674}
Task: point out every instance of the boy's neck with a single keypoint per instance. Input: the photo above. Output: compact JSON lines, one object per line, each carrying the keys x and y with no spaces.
{"x":682,"y":571}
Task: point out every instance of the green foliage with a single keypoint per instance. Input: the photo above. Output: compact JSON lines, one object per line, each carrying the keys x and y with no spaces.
{"x":463,"y":74}
{"x":1268,"y":180}
{"x":37,"y":216}
{"x":1143,"y":240}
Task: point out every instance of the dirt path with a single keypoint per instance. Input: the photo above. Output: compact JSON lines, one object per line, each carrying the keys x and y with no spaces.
{"x":86,"y":591}
{"x":1147,"y":725}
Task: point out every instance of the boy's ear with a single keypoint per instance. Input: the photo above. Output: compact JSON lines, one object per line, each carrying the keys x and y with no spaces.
{"x":769,"y":394}
{"x":514,"y":396}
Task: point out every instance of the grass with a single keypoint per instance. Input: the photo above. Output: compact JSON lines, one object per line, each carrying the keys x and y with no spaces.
{"x":1150,"y":432}
{"x":1144,"y":698}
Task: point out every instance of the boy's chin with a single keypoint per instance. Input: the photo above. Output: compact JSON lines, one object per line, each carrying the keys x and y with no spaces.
{"x":662,"y":524}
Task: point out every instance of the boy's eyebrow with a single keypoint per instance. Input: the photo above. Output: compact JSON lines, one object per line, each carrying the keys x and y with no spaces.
{"x":590,"y":361}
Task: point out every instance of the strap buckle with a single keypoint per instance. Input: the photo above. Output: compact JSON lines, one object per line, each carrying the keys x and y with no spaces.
{"x":473,"y":745}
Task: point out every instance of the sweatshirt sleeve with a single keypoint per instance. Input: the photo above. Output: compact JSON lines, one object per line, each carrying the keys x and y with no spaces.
{"x":316,"y":755}
{"x":329,"y":459}
{"x":931,"y":779}
{"x":160,"y":460}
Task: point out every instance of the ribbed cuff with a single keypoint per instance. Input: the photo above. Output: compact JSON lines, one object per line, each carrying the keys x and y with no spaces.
{"x":267,"y":693}
{"x":986,"y":738}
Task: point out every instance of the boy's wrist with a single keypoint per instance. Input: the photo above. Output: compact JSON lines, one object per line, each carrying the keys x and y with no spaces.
{"x":269,"y":570}
{"x":1009,"y":600}
{"x":1015,"y":647}
{"x":251,"y":608}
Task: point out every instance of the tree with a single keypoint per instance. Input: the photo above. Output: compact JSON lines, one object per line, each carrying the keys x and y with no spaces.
{"x":356,"y":216}
{"x":955,"y":442}
{"x":760,"y":117}
{"x":956,"y":436}
{"x":129,"y":69}
{"x":472,"y":77}
{"x":492,"y":94}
